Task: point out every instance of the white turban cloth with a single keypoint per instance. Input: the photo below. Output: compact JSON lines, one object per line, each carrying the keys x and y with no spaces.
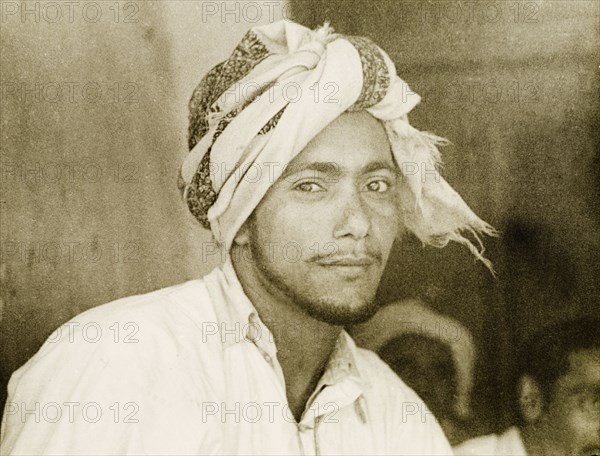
{"x":282,"y":85}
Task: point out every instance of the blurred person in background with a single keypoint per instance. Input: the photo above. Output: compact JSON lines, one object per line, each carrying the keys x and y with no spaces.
{"x":432,"y":353}
{"x":557,"y":396}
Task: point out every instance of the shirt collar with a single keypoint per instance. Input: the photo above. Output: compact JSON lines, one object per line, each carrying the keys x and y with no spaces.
{"x":232,"y":307}
{"x":342,"y":362}
{"x":341,"y":382}
{"x":240,"y":305}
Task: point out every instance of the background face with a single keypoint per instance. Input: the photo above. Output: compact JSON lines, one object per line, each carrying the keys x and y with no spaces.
{"x":573,"y":415}
{"x":427,"y":366}
{"x":323,"y":232}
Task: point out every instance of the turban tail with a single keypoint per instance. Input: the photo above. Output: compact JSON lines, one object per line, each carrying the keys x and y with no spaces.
{"x":283,"y":84}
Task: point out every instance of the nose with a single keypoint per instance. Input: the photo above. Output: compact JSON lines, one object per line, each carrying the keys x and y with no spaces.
{"x":354,"y":220}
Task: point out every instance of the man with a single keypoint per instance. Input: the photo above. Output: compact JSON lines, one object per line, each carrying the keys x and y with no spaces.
{"x":558,"y":391}
{"x":252,"y":359}
{"x":432,"y":353}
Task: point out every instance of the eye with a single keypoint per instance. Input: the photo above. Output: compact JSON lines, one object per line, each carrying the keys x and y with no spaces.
{"x":379,"y":186}
{"x":308,"y":187}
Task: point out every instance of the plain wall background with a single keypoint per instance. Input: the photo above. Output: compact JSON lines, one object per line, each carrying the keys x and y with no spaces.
{"x":90,"y":211}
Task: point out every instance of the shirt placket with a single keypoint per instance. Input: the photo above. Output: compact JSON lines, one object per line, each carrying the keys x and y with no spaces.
{"x":327,"y":405}
{"x":337,"y":389}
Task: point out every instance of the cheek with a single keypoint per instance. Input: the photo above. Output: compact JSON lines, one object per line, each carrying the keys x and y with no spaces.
{"x":382,"y":206}
{"x":582,"y":425}
{"x":292,"y":230}
{"x":386,"y":221}
{"x":573,"y":426}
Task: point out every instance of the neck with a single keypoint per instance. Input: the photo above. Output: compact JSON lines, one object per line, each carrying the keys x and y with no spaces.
{"x":304,"y":344}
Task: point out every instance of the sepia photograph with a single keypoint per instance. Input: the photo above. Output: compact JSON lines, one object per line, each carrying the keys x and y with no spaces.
{"x":300,"y":227}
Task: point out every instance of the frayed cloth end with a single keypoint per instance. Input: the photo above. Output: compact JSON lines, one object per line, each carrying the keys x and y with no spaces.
{"x":477,"y":248}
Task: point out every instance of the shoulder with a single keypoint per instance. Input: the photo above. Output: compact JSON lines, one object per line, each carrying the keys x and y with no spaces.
{"x":408,"y":421}
{"x":478,"y":446}
{"x":137,"y":331}
{"x":178,"y":300}
{"x":380,"y":377}
{"x":141,"y":359}
{"x":385,"y":388}
{"x":186,"y":304}
{"x":494,"y":445}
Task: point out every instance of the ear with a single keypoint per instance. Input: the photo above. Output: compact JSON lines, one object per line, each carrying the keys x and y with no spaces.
{"x":531,"y":399}
{"x":242,"y":237}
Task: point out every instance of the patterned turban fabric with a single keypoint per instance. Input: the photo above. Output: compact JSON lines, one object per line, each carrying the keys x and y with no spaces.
{"x":282,"y":85}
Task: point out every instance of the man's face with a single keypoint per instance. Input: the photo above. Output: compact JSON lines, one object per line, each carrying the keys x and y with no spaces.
{"x":322,"y":234}
{"x":573,"y":414}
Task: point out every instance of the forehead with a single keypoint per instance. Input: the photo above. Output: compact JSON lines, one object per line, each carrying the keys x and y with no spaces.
{"x":351,"y":141}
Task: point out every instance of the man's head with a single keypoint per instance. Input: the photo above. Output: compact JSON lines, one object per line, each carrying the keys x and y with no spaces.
{"x":558,"y":388}
{"x":427,"y":365}
{"x":253,"y":114}
{"x":322,"y":234}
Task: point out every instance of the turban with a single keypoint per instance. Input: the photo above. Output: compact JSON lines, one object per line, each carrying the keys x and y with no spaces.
{"x":282,"y":85}
{"x":414,"y":317}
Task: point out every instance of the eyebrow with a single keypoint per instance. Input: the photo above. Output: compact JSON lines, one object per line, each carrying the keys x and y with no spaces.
{"x":334,"y":170}
{"x":379,"y":165}
{"x":329,"y":168}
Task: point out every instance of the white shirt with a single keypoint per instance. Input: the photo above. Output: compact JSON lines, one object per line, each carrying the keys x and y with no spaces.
{"x":191,"y":369}
{"x":507,"y":444}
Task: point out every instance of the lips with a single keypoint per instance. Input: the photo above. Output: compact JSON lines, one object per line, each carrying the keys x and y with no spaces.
{"x":348,"y":267}
{"x":348,"y":261}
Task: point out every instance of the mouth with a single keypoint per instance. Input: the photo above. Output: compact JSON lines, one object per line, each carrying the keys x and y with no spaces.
{"x":349,"y":267}
{"x":348,"y":261}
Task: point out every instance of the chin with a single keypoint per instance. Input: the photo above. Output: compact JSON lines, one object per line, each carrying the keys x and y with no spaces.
{"x":344,"y":313}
